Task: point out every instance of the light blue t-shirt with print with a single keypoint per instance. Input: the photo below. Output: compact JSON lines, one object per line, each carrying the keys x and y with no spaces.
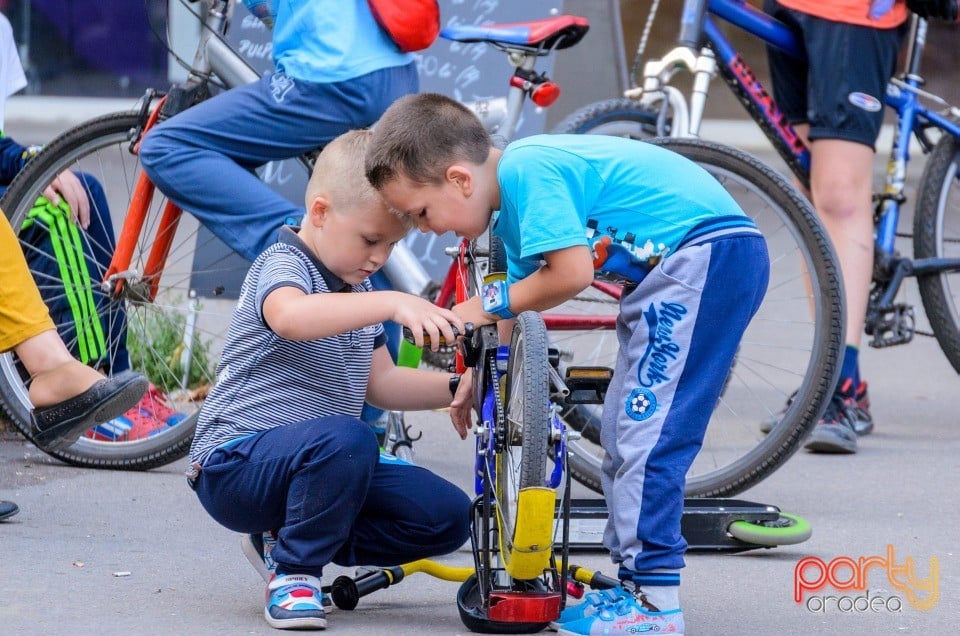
{"x":631,"y":202}
{"x":330,"y":41}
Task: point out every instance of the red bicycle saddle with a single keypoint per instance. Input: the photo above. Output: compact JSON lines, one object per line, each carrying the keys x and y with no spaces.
{"x":560,"y":32}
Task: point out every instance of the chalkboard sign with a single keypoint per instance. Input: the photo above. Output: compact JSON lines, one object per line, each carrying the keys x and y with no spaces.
{"x":466,"y":72}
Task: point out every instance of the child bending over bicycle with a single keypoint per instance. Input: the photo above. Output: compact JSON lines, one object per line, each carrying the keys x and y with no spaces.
{"x":695,"y":268}
{"x":280,"y":452}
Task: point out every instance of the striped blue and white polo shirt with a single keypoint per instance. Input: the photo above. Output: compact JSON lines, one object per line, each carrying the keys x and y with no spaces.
{"x":263,"y":380}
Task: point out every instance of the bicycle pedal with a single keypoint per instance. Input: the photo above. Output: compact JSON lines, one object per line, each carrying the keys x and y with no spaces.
{"x":896,"y":325}
{"x":588,"y":385}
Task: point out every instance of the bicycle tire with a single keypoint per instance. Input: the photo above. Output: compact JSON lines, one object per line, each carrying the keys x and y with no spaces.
{"x":936,"y":234}
{"x":100,"y":147}
{"x":785,"y":345}
{"x":521,"y":465}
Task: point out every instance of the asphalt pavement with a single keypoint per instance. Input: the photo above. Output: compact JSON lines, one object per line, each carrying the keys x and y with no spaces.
{"x":101,"y":552}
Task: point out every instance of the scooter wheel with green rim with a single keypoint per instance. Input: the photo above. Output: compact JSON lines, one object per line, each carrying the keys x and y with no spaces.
{"x":787,"y":529}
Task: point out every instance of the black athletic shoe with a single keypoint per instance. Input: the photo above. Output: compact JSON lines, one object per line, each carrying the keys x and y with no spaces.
{"x":862,"y":421}
{"x":8,"y":509}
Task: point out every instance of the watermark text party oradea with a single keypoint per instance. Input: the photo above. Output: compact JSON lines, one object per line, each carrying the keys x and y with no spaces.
{"x":851,"y":577}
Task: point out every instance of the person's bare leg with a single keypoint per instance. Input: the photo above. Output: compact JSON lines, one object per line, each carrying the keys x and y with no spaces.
{"x":57,"y":375}
{"x":841,"y":186}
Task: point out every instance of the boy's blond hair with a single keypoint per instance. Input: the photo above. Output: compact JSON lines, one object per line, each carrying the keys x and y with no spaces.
{"x":422,"y":135}
{"x":338,"y":173}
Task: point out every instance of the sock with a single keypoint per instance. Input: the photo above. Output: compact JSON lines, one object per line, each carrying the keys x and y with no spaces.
{"x":661,"y":587}
{"x":850,"y":369}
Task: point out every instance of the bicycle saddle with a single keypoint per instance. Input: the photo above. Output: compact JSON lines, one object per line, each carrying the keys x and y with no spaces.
{"x":560,"y":32}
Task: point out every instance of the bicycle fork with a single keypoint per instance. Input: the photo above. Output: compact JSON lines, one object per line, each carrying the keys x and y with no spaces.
{"x":119,"y":277}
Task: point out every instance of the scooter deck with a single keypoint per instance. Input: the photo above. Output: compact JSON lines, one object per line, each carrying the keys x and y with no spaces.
{"x":704,"y":523}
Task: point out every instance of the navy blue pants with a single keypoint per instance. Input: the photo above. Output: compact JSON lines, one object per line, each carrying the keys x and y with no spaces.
{"x":324,"y":486}
{"x":98,"y":246}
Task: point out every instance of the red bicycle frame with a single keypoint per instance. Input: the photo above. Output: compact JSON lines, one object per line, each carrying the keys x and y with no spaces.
{"x":454,"y":288}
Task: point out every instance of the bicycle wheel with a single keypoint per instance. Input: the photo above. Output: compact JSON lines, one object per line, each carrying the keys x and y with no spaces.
{"x":174,"y":340}
{"x":936,"y":234}
{"x":619,"y":116}
{"x":525,"y":505}
{"x":792,"y":343}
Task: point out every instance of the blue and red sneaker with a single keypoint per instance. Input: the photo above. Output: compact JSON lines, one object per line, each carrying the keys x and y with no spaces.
{"x":627,"y":614}
{"x":293,"y":602}
{"x":148,"y":417}
{"x":591,"y":604}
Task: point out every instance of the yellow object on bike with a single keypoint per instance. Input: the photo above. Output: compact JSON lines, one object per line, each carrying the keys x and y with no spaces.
{"x":438,"y":570}
{"x":527,"y":552}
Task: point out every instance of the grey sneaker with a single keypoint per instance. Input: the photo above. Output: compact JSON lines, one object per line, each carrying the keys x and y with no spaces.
{"x":835,"y":433}
{"x":771,"y":420}
{"x":862,"y":420}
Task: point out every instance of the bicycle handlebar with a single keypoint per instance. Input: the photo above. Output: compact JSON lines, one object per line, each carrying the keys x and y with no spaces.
{"x":468,"y":332}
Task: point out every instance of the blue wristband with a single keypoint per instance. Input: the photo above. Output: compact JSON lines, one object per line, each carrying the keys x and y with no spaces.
{"x":495,"y":295}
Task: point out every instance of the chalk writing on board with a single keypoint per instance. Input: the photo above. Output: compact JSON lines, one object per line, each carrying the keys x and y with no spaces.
{"x":278,"y":173}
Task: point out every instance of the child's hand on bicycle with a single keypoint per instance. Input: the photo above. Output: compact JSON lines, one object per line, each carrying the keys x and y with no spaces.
{"x":462,"y":405}
{"x":472,"y":311}
{"x":427,"y":323}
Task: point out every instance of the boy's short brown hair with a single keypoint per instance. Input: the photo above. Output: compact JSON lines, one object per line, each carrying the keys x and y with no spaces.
{"x":338,"y":173}
{"x":420,"y":136}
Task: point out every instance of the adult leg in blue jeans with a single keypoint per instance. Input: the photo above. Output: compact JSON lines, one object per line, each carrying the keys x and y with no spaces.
{"x":204,"y":158}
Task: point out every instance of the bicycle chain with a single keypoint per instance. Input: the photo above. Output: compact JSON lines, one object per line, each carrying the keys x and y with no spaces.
{"x":500,"y":423}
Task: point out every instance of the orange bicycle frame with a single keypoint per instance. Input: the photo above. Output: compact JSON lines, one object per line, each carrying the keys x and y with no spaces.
{"x":133,"y":226}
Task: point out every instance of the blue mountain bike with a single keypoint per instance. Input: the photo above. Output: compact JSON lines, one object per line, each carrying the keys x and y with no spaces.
{"x":654,"y":107}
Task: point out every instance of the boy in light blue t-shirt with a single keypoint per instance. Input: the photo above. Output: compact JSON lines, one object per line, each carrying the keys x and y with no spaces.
{"x":695,"y":269}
